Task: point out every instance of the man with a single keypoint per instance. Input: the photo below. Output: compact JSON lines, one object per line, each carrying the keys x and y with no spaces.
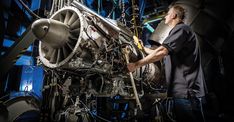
{"x":183,"y":71}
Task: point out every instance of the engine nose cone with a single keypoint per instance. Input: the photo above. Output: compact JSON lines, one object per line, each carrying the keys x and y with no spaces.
{"x":40,"y":28}
{"x":52,"y":32}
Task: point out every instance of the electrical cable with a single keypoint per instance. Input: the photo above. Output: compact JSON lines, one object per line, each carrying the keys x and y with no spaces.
{"x":85,"y":30}
{"x":28,"y":9}
{"x":52,"y":9}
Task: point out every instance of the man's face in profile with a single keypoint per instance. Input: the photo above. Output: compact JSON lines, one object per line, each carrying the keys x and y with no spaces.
{"x":170,"y":16}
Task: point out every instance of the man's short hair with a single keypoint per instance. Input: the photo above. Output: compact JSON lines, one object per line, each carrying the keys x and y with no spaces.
{"x":180,"y":11}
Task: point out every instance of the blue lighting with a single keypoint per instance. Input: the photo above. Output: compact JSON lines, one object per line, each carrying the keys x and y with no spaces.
{"x":35,"y":5}
{"x":25,"y":60}
{"x":32,"y":80}
{"x":21,"y":30}
{"x":21,"y":7}
{"x":120,"y":107}
{"x":9,"y":43}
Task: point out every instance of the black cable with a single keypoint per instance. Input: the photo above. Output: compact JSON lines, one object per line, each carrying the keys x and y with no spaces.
{"x":28,"y":9}
{"x":112,"y":10}
{"x":85,"y":30}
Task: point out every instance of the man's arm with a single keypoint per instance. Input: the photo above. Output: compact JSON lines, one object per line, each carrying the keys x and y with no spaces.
{"x":154,"y":56}
{"x":148,"y":50}
{"x":151,"y":49}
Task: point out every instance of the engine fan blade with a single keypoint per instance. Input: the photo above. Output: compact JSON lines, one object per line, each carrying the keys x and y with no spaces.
{"x":45,"y":47}
{"x":70,"y":46}
{"x":75,"y":25}
{"x":53,"y":57}
{"x":49,"y":53}
{"x":76,"y":32}
{"x":73,"y":18}
{"x":65,"y":51}
{"x":61,"y":18}
{"x":72,"y":42}
{"x":59,"y":56}
{"x":72,"y":37}
{"x":67,"y":17}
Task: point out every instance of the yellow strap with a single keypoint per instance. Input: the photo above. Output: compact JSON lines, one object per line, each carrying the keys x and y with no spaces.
{"x":137,"y":42}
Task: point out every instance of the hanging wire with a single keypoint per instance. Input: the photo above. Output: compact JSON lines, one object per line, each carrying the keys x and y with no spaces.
{"x":99,"y":6}
{"x":52,"y":8}
{"x":134,"y":15}
{"x":68,"y":3}
{"x":123,"y":19}
{"x":59,"y":4}
{"x":28,"y":10}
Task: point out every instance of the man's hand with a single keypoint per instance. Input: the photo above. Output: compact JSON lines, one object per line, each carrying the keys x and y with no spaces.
{"x":131,"y":67}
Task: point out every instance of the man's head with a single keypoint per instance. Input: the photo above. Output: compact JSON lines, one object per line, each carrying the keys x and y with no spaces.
{"x":175,"y":15}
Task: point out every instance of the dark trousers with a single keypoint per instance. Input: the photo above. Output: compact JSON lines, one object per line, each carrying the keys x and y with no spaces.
{"x":188,"y":110}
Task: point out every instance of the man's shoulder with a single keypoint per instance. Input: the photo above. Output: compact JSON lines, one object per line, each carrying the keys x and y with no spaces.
{"x":183,"y":26}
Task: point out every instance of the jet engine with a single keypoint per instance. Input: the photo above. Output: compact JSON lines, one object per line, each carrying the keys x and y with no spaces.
{"x":83,"y":54}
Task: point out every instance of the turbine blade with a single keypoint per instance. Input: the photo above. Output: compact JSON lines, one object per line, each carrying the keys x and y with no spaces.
{"x":73,"y":18}
{"x":53,"y":57}
{"x":67,"y":17}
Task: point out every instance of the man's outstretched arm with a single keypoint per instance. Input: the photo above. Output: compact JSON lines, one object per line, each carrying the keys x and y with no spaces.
{"x":154,"y":56}
{"x":148,"y":50}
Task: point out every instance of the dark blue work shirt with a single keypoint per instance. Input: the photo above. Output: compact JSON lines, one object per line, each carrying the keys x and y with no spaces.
{"x":183,"y":70}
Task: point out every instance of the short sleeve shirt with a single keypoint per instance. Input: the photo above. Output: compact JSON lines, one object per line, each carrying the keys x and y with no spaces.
{"x":183,"y":70}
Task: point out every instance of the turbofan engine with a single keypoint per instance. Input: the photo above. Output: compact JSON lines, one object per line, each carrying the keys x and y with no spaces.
{"x":77,"y":40}
{"x":86,"y":55}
